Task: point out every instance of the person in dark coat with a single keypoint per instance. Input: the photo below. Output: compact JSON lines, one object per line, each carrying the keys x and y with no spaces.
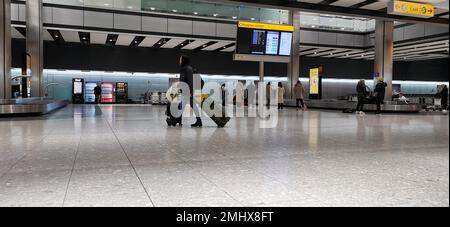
{"x":97,"y":93}
{"x":444,"y":97}
{"x":361,"y":89}
{"x":380,"y":90}
{"x":187,"y":76}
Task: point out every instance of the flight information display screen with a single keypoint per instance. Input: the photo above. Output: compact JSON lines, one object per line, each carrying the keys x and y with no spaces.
{"x":286,"y":44}
{"x":264,"y":39}
{"x":273,"y":42}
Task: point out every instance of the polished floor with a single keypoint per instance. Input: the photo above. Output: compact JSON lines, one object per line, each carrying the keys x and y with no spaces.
{"x":126,"y":156}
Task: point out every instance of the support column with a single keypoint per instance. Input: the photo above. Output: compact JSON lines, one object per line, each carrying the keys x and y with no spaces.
{"x":294,"y":65}
{"x":384,"y":53}
{"x":35,"y":46}
{"x":5,"y":49}
{"x":261,"y":71}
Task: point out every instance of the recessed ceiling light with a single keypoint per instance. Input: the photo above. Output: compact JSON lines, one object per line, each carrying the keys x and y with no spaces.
{"x":252,"y":18}
{"x":152,"y":8}
{"x":174,"y":10}
{"x":234,"y":17}
{"x":215,"y":14}
{"x":195,"y":13}
{"x":313,"y":26}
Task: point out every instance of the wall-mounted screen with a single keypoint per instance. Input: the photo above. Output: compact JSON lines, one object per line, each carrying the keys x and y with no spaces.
{"x":264,"y":39}
{"x":285,"y":44}
{"x":273,"y":42}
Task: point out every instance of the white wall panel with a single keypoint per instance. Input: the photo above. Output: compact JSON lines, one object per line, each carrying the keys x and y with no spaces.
{"x":127,"y":22}
{"x":98,"y":19}
{"x":204,"y":28}
{"x":226,"y":30}
{"x":179,"y":26}
{"x":67,"y":16}
{"x":154,"y":24}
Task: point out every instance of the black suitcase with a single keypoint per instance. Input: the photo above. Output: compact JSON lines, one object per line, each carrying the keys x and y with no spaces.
{"x":171,"y":120}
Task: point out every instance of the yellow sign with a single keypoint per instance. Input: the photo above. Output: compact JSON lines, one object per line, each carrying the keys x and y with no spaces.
{"x":314,"y":81}
{"x":264,"y":26}
{"x":411,"y":9}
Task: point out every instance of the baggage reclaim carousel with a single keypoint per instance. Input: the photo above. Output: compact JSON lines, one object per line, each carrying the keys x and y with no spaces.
{"x":29,"y":106}
{"x":333,"y":104}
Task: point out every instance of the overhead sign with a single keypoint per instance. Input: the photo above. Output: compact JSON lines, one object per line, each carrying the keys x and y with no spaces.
{"x":412,"y":9}
{"x":264,"y":26}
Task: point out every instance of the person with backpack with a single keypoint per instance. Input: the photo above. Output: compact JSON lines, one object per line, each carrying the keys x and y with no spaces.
{"x":361,"y":89}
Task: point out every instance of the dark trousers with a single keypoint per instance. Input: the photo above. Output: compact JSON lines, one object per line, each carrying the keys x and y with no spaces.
{"x":195,"y":106}
{"x":360,"y":106}
{"x":280,"y":106}
{"x":444,"y":102}
{"x":97,"y":99}
{"x":300,"y":101}
{"x":379,"y":102}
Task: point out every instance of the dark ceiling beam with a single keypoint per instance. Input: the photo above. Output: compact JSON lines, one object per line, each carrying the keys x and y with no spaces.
{"x":346,"y":11}
{"x":327,"y":2}
{"x":361,"y":4}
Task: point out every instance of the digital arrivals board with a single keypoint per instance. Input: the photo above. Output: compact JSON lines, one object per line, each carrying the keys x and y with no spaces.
{"x":264,"y":39}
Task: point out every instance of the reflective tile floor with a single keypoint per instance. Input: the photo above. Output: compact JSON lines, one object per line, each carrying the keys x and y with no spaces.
{"x":127,"y":156}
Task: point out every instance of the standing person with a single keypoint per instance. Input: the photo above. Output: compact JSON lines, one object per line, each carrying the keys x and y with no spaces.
{"x":444,"y":98}
{"x":361,"y":89}
{"x":299,"y":92}
{"x":97,"y":93}
{"x":380,"y":90}
{"x":280,"y":96}
{"x":268,"y":92}
{"x":187,"y":76}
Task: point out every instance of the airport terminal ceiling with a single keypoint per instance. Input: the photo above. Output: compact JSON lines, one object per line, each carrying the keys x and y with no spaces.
{"x":208,"y":28}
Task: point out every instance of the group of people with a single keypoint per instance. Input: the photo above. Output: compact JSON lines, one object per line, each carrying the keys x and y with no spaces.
{"x":379,"y":93}
{"x":299,"y":92}
{"x":364,"y":95}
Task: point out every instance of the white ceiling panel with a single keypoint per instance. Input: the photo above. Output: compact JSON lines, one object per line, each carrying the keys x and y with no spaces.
{"x":218,"y":45}
{"x":346,"y":3}
{"x":47,"y":36}
{"x":173,"y":43}
{"x":16,"y":34}
{"x":124,"y":40}
{"x":98,"y":38}
{"x":70,"y":36}
{"x":195,"y":44}
{"x":149,"y":41}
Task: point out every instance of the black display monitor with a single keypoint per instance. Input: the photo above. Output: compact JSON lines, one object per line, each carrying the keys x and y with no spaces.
{"x":264,"y":39}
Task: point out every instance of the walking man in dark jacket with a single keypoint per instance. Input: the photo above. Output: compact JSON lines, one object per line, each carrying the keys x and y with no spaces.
{"x":187,"y":76}
{"x":380,"y":90}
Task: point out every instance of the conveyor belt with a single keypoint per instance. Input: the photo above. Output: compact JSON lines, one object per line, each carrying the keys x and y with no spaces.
{"x":344,"y":105}
{"x":31,"y":106}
